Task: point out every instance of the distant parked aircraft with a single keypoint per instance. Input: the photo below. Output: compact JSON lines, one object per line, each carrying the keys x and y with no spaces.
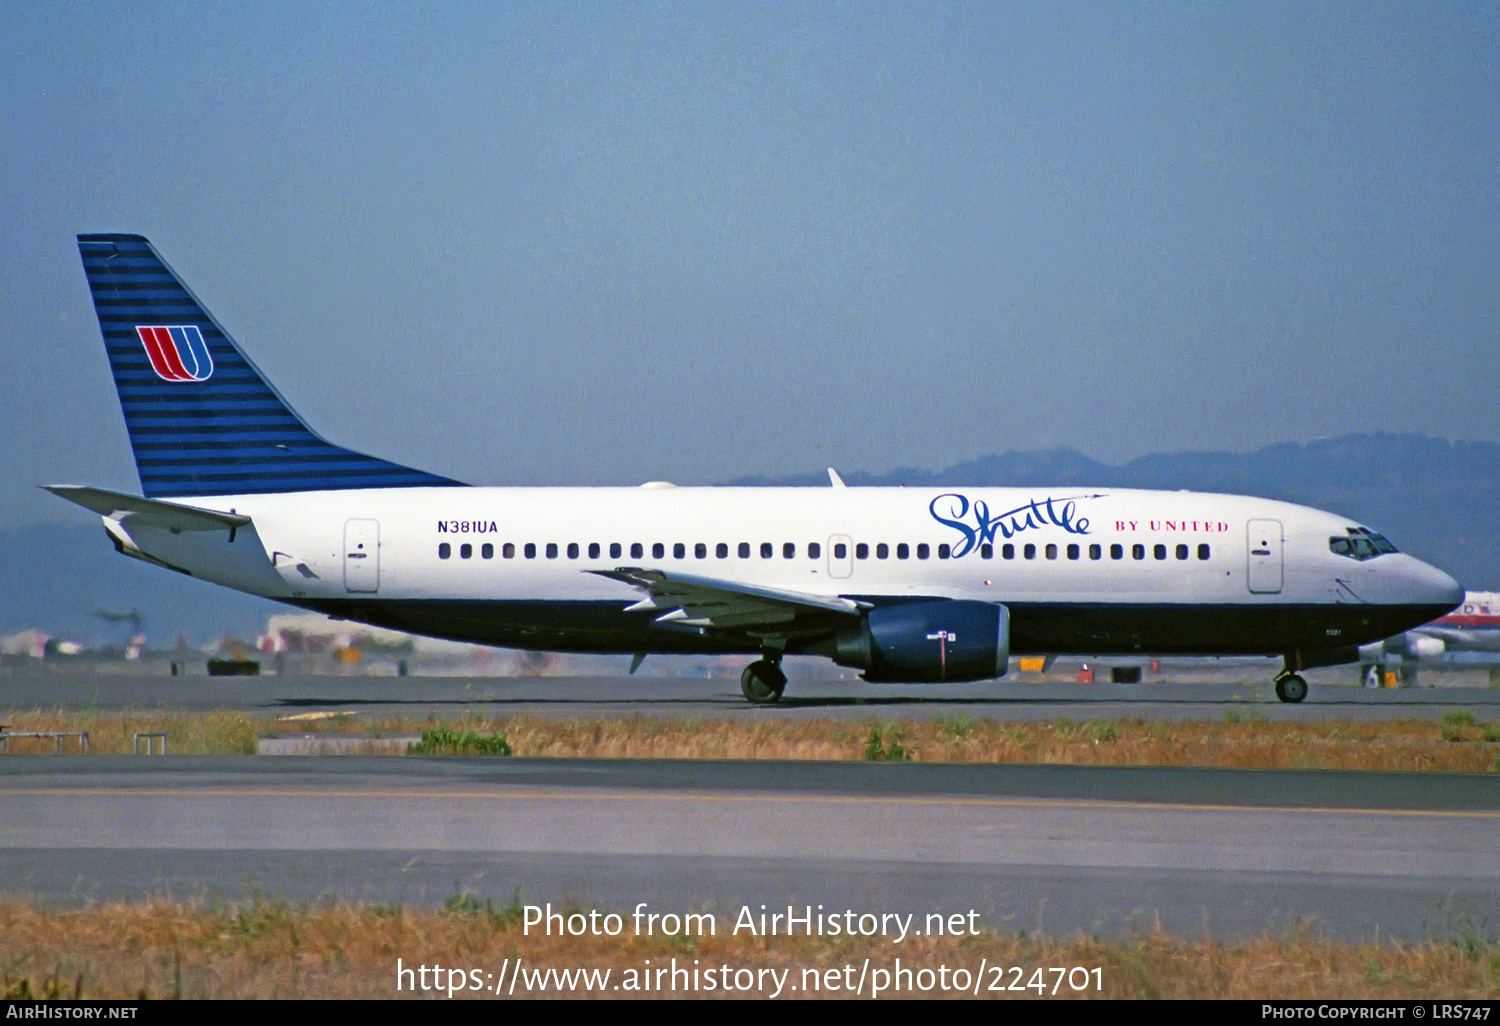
{"x":1472,"y":627}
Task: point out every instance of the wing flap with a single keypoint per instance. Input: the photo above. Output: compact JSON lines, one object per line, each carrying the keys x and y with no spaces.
{"x":710,"y":603}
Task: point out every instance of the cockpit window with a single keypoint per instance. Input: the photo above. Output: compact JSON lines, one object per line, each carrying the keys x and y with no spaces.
{"x":1360,"y":543}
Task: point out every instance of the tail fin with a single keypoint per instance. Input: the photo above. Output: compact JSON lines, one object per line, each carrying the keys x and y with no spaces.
{"x":202,"y":419}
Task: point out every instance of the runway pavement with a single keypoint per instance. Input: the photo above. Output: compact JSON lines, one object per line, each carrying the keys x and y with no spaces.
{"x":1058,"y":849}
{"x":1179,"y":698}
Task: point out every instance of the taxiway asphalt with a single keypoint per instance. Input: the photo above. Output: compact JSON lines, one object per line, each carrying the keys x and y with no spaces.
{"x":1176,"y":699}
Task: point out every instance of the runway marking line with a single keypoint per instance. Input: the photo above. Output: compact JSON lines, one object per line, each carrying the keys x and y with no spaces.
{"x":572,"y":794}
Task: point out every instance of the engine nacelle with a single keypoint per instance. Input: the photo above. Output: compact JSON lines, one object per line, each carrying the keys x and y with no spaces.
{"x":1420,"y":646}
{"x":929,"y":642}
{"x":1410,"y":645}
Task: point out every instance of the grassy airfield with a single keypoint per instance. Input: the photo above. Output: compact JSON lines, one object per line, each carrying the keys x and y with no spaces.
{"x":1459,"y":743}
{"x":176,"y":949}
{"x":171,"y":950}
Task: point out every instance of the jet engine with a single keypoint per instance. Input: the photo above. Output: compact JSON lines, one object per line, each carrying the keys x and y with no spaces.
{"x":929,"y":642}
{"x":1411,"y":645}
{"x":1420,"y":646}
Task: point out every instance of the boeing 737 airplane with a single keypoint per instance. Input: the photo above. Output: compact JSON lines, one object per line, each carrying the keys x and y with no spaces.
{"x":906,"y":585}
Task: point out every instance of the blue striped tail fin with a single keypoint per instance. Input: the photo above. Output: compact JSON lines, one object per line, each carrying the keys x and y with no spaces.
{"x":202,"y":419}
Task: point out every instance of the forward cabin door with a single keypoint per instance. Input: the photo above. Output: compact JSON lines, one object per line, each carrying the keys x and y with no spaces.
{"x":362,"y":555}
{"x":1264,"y":543}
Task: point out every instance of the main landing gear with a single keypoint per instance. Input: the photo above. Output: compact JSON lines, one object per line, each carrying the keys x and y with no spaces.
{"x":762,"y":681}
{"x":1290,"y":687}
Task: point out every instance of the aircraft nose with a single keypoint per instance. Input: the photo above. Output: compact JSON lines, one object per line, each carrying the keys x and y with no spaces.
{"x":1431,"y":586}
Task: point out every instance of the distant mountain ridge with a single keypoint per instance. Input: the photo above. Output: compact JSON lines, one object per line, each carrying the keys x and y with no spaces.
{"x":1436,"y":499}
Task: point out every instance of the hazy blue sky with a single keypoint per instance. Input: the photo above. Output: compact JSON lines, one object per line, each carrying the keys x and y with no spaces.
{"x":600,"y":244}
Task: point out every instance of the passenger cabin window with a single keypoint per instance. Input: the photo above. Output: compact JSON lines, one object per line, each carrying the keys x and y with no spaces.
{"x":1160,"y":552}
{"x":1072,"y":551}
{"x":1182,"y":551}
{"x":1007,"y":551}
{"x":593,"y":550}
{"x":1051,"y":551}
{"x":922,"y":550}
{"x":943,"y":551}
{"x":572,"y":550}
{"x":861,"y":551}
{"x":986,"y":551}
{"x":789,"y":551}
{"x":1096,"y":551}
{"x":658,"y":550}
{"x":1029,"y":552}
{"x":614,"y":550}
{"x":508,"y":550}
{"x":1138,"y":551}
{"x":744,"y":550}
{"x":637,"y":550}
{"x":531,"y":550}
{"x":1117,"y":552}
{"x":1202,"y":551}
{"x":465,"y":551}
{"x":814,"y":550}
{"x":445,"y":550}
{"x":902,"y":551}
{"x":679,"y":550}
{"x":882,"y":551}
{"x":487,"y":550}
{"x":700,"y":551}
{"x":766,"y":550}
{"x":840,"y":551}
{"x":552,"y":550}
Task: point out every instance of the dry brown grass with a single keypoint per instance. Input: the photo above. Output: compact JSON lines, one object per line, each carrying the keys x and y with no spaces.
{"x":169,"y":950}
{"x":1385,"y":746}
{"x":111,"y":733}
{"x":1457,"y":745}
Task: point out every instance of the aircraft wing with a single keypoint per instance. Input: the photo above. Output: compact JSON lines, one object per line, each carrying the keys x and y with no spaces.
{"x":151,"y":512}
{"x":705,"y":602}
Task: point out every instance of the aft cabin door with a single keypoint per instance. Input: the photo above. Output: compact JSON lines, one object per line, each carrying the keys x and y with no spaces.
{"x":1264,"y":538}
{"x":362,"y":555}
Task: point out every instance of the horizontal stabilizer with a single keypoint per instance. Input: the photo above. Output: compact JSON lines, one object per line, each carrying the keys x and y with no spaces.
{"x":170,"y":516}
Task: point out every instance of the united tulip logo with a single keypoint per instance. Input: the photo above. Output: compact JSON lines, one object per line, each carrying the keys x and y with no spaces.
{"x":177,"y":354}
